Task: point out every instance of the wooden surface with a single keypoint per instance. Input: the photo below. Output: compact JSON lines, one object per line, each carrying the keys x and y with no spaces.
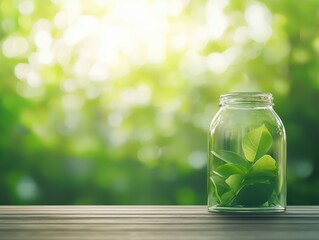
{"x":153,"y":222}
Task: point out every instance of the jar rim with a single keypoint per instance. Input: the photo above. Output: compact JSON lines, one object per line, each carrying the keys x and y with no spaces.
{"x":246,"y":98}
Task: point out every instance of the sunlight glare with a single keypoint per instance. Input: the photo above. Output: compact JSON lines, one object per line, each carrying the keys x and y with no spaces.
{"x":258,"y":18}
{"x":43,"y":39}
{"x":15,"y":46}
{"x":21,"y":70}
{"x":98,"y":73}
{"x":217,"y":20}
{"x":34,"y":79}
{"x":26,"y":7}
{"x":217,"y":63}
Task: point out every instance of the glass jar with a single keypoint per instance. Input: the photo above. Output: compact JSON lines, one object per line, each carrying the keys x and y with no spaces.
{"x":247,"y":155}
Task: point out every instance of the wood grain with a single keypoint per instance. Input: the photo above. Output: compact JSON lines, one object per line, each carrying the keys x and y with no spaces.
{"x":154,"y":222}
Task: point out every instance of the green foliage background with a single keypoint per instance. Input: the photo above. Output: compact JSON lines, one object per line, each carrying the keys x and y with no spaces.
{"x":79,"y":128}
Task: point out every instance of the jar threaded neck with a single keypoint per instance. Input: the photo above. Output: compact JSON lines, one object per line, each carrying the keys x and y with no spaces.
{"x":246,"y":98}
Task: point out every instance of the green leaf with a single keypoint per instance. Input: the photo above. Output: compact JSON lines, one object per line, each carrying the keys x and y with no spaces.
{"x":264,"y":167}
{"x":257,"y":143}
{"x":259,"y":183}
{"x":255,"y":194}
{"x":274,"y":199}
{"x":220,"y":187}
{"x":227,"y":198}
{"x":234,"y":181}
{"x":228,"y":169}
{"x":251,"y":180}
{"x":231,"y":157}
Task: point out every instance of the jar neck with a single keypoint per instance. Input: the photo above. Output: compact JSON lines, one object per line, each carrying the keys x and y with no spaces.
{"x":246,"y":100}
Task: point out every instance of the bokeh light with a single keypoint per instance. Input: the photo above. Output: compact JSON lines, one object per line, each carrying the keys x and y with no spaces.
{"x":109,"y":102}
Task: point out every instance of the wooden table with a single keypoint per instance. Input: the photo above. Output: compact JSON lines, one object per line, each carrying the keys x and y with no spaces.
{"x":153,"y":222}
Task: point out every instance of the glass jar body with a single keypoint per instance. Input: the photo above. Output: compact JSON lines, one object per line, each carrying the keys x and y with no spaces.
{"x":247,"y":159}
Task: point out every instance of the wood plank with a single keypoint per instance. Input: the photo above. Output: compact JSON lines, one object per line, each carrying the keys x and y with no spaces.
{"x":153,"y":222}
{"x":129,"y":209}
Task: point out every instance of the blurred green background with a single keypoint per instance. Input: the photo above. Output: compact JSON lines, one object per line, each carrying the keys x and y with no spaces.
{"x":109,"y":102}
